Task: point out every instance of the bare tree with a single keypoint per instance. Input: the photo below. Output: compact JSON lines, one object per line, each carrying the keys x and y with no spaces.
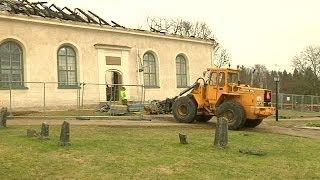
{"x":221,"y":57}
{"x":190,"y":29}
{"x":158,"y":24}
{"x":308,"y":58}
{"x":259,"y":75}
{"x":186,"y":28}
{"x":205,"y":31}
{"x":180,"y":27}
{"x":176,"y":26}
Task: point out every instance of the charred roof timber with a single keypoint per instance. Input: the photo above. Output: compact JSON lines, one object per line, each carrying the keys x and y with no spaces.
{"x":52,"y":11}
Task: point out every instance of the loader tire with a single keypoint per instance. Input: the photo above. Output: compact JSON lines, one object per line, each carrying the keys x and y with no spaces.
{"x":184,"y":109}
{"x":203,"y":118}
{"x":251,"y":123}
{"x":234,"y":112}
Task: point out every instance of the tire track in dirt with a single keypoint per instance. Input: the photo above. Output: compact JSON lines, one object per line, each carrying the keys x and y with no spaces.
{"x":168,"y":122}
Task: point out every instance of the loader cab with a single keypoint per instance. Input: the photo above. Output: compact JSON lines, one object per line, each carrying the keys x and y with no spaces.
{"x":225,"y":80}
{"x":220,"y":81}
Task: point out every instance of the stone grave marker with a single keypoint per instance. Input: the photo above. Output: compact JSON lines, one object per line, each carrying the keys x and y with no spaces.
{"x":221,"y":134}
{"x":65,"y":134}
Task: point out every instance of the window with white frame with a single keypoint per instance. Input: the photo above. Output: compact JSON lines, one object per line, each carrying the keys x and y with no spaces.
{"x":181,"y":71}
{"x":11,"y":65}
{"x":150,"y":70}
{"x":67,"y":67}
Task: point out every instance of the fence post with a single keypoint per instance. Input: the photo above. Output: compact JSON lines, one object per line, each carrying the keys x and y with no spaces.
{"x":78,"y":99}
{"x":302,"y":103}
{"x":10,"y":96}
{"x":78,"y":95}
{"x":111,"y":94}
{"x":83,"y":84}
{"x":44,"y":97}
{"x":114,"y":93}
{"x":140,"y":108}
{"x":281,"y":96}
{"x":292,"y":102}
{"x":317,"y":105}
{"x":311,"y":108}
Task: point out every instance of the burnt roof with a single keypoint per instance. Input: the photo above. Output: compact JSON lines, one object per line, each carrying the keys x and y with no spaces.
{"x":52,"y":11}
{"x":45,"y":10}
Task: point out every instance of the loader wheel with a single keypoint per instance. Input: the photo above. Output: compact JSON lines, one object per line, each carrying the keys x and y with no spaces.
{"x":234,"y":112}
{"x":251,"y":123}
{"x":184,"y":109}
{"x":203,"y":118}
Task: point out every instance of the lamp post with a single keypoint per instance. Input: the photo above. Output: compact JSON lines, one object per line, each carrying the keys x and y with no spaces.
{"x":276,"y":80}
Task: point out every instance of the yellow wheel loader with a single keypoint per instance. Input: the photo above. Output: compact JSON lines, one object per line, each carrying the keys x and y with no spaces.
{"x":219,"y":93}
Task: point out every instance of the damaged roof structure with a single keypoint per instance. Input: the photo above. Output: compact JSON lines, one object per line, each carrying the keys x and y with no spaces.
{"x":45,"y":10}
{"x":52,"y":11}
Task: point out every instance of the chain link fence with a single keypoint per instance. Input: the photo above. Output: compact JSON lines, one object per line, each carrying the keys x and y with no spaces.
{"x":294,"y":105}
{"x":83,"y":101}
{"x":87,"y":100}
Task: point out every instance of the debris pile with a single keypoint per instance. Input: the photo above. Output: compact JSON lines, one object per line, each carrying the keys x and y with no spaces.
{"x":113,"y":109}
{"x":45,"y":10}
{"x":160,"y":107}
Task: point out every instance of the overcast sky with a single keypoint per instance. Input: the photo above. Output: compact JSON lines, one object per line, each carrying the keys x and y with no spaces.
{"x":266,"y":32}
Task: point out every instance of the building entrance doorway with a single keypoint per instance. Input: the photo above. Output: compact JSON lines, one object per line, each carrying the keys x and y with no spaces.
{"x":113,"y":81}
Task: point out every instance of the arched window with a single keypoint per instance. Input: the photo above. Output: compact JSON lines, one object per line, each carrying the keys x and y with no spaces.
{"x":11,"y":65}
{"x":67,"y":67}
{"x":182,"y":71}
{"x":150,"y":70}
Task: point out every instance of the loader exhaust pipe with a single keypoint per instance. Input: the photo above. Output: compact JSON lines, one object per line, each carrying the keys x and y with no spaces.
{"x":254,"y":70}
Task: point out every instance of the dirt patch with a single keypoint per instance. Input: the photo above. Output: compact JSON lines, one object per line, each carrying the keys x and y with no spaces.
{"x":308,"y":133}
{"x":114,"y":123}
{"x":169,"y":122}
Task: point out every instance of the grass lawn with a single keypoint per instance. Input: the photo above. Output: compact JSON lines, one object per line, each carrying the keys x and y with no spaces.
{"x":314,"y":124}
{"x":154,"y":153}
{"x":293,"y":123}
{"x":296,"y":114}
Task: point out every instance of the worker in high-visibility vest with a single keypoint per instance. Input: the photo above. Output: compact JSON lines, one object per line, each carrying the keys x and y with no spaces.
{"x":124,"y":96}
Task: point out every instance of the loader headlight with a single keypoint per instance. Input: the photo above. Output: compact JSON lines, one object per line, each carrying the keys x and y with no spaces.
{"x":259,"y":101}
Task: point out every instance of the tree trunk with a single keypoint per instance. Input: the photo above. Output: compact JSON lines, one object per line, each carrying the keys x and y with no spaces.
{"x":3,"y":117}
{"x":65,"y":134}
{"x":45,"y":131}
{"x":183,"y":138}
{"x":221,"y":134}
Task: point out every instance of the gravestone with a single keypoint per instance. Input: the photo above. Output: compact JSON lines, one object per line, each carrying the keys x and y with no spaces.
{"x":32,"y":133}
{"x":44,"y":131}
{"x":65,"y":134}
{"x":3,"y":117}
{"x":221,"y":134}
{"x":183,"y":138}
